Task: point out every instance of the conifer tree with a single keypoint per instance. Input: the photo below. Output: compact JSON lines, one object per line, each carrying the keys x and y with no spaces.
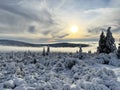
{"x":106,"y":44}
{"x":102,"y":42}
{"x":80,"y":53}
{"x":48,"y":50}
{"x":80,"y":49}
{"x":43,"y":53}
{"x":110,"y":42}
{"x":118,"y":52}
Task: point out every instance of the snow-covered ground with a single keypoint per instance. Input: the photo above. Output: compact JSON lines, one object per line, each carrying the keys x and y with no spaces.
{"x":59,"y":71}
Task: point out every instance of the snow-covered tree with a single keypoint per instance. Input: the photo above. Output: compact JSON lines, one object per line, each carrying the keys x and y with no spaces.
{"x":80,"y":49}
{"x":118,"y":52}
{"x":102,"y":43}
{"x":89,"y":52}
{"x":80,"y":55}
{"x":106,"y":44}
{"x":110,"y":42}
{"x":43,"y":53}
{"x":48,"y":50}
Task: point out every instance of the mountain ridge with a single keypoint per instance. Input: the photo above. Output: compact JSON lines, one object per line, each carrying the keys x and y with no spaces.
{"x":7,"y":42}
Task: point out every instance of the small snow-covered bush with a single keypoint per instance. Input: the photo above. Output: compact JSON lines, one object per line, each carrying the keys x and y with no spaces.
{"x":69,"y":63}
{"x":9,"y":84}
{"x":19,"y":81}
{"x":59,"y":67}
{"x":24,"y":87}
{"x":92,"y":86}
{"x":102,"y":58}
{"x":66,"y":87}
{"x":105,"y":74}
{"x":109,"y":59}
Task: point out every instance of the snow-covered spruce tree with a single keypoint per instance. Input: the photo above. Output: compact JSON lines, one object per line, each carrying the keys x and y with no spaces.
{"x":43,"y":53}
{"x":118,"y":52}
{"x":80,"y":55}
{"x":102,"y":43}
{"x":89,"y":52}
{"x":80,"y":49}
{"x":110,"y":42}
{"x":48,"y":50}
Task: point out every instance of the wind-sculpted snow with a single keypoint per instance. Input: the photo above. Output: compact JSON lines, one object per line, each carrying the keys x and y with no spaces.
{"x":57,"y":71}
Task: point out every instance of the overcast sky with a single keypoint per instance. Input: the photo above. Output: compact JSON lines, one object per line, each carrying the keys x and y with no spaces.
{"x":44,"y":21}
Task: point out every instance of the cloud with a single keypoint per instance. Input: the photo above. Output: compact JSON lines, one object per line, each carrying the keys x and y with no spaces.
{"x":32,"y":29}
{"x":16,"y":9}
{"x":45,"y":20}
{"x":115,"y":3}
{"x":96,"y":30}
{"x":62,"y":36}
{"x":16,"y":16}
{"x":59,"y":36}
{"x":106,"y":17}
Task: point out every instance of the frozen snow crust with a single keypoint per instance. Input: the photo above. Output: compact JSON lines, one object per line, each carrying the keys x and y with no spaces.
{"x":57,"y":71}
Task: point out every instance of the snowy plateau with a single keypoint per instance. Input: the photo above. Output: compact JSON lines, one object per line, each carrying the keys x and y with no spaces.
{"x":59,"y":71}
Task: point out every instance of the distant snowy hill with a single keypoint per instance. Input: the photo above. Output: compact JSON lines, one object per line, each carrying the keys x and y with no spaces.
{"x":20,"y":43}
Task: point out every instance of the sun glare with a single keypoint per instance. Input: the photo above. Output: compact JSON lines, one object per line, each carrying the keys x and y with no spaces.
{"x":74,"y":29}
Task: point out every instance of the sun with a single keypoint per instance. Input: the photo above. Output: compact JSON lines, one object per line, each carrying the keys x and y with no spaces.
{"x":74,"y":29}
